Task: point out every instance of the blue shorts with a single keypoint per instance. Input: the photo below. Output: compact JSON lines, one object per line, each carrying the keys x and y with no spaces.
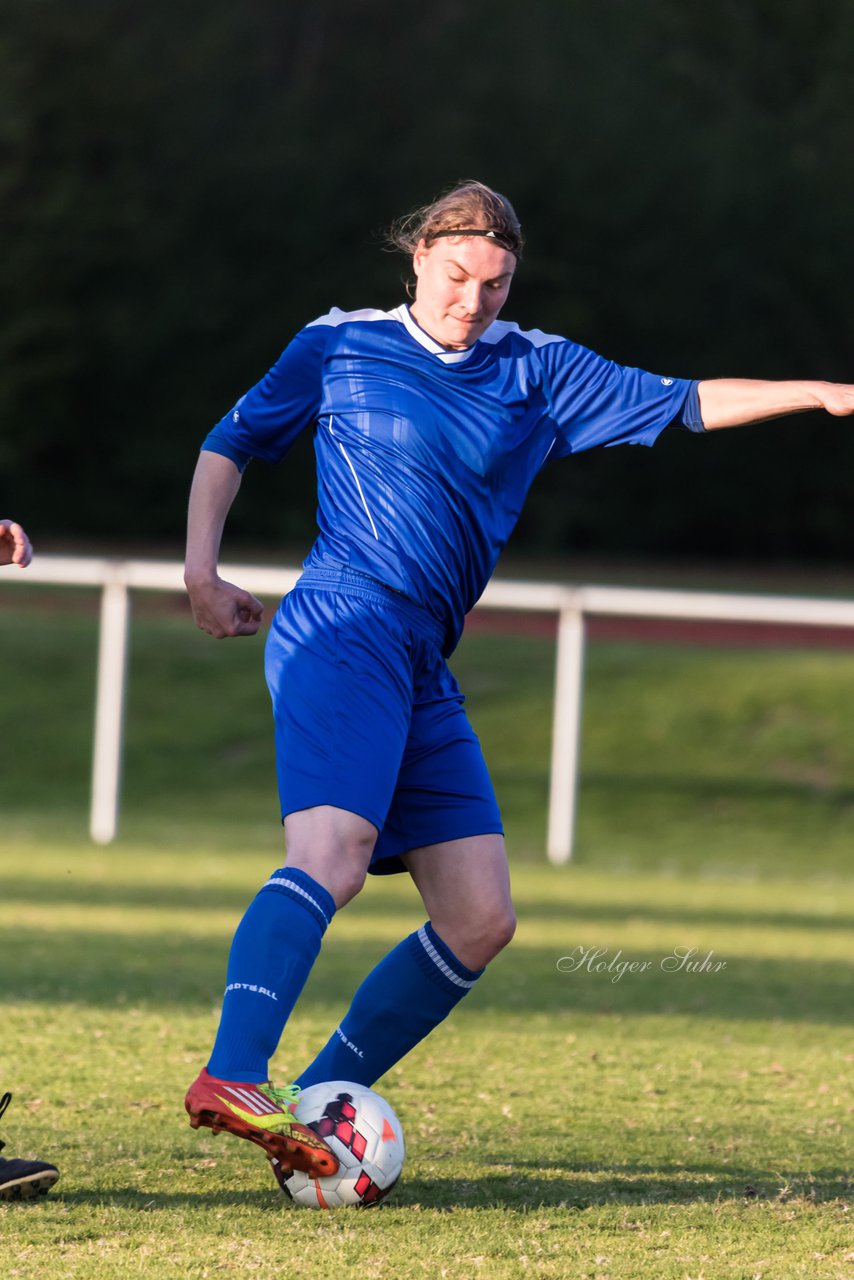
{"x":369,"y":717}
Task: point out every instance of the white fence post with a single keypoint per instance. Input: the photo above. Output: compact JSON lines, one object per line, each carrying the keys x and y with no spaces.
{"x":109,"y":712}
{"x":566,"y":735}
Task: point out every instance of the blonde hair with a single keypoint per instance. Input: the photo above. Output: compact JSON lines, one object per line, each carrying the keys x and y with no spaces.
{"x":467,"y":206}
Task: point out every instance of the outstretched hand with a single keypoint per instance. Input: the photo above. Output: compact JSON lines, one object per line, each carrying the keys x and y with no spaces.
{"x":15,"y":546}
{"x":836,"y":397}
{"x":223,"y":610}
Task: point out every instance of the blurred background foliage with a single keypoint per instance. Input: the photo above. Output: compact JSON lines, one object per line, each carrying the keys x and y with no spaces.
{"x":182,"y":187}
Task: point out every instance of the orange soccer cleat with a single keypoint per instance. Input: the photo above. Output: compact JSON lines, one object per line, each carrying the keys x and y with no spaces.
{"x":263,"y":1113}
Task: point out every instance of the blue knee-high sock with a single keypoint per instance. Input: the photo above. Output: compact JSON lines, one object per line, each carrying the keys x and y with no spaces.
{"x":409,"y":993}
{"x":275,"y":945}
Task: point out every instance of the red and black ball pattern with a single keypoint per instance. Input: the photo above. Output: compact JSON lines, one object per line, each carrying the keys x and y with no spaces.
{"x":339,"y":1121}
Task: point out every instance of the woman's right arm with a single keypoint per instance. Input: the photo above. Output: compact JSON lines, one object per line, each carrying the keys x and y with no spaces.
{"x":219,"y":608}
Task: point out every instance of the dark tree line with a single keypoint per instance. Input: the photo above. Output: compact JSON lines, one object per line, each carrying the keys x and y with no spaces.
{"x":183,"y":186}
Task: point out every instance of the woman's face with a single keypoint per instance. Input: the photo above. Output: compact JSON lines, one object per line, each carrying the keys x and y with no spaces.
{"x":461,"y":285}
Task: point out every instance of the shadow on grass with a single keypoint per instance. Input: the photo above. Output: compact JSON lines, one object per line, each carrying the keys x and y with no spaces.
{"x":687,"y":917}
{"x":167,"y":970}
{"x":383,"y":902}
{"x":521,"y":1189}
{"x":584,"y":1189}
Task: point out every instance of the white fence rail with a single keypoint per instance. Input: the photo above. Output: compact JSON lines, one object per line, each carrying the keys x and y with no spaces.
{"x":572,"y":604}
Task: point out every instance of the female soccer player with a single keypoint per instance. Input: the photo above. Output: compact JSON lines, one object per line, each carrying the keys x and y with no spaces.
{"x":430,"y":423}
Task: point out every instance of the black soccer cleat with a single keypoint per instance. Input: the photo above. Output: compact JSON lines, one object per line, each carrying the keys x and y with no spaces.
{"x":24,"y":1179}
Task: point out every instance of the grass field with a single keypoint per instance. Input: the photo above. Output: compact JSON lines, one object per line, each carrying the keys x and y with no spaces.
{"x":569,"y":1120}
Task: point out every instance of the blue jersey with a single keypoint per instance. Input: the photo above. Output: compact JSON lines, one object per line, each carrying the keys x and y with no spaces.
{"x":424,"y":455}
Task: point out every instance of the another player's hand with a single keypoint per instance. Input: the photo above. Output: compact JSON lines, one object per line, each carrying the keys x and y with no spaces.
{"x":222,"y":609}
{"x":15,"y":546}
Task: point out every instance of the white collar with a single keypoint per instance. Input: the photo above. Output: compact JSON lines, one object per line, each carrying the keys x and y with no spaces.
{"x":413,"y":328}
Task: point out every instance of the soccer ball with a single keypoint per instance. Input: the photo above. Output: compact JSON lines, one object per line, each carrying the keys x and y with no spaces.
{"x":365,"y":1134}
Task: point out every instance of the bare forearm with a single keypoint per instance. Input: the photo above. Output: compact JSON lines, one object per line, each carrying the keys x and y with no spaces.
{"x":733,"y":402}
{"x":215,"y":485}
{"x":219,"y":607}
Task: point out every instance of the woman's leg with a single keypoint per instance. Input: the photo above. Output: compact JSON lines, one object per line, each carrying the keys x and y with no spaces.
{"x":279,"y":937}
{"x":465,"y":886}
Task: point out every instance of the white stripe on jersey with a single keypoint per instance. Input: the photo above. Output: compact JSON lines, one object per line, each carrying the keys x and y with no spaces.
{"x":336,"y":316}
{"x":355,"y":477}
{"x":548,"y":451}
{"x":501,"y":328}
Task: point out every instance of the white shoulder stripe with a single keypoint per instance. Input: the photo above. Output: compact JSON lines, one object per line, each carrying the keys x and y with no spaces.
{"x":497,"y":331}
{"x":336,"y":316}
{"x":500,"y":329}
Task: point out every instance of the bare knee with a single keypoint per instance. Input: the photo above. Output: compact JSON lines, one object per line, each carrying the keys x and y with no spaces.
{"x":341,"y":871}
{"x":499,"y":932}
{"x":351,"y":876}
{"x":333,"y":846}
{"x":477,"y":940}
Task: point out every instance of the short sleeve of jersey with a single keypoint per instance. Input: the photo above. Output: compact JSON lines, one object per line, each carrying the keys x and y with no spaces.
{"x":597,"y":402}
{"x":267,"y":420}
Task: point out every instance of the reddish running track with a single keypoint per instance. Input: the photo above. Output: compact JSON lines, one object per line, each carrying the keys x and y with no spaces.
{"x":669,"y":631}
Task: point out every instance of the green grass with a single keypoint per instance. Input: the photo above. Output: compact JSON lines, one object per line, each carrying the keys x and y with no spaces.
{"x":560,"y":1124}
{"x":667,"y":1124}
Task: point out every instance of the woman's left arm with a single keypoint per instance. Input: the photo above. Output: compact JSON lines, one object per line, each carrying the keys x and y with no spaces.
{"x":733,"y":402}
